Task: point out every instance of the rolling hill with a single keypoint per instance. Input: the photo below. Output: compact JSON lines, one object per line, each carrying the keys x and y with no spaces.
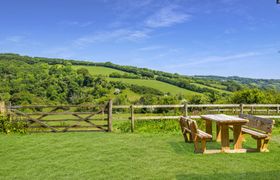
{"x":161,"y":86}
{"x":48,"y":80}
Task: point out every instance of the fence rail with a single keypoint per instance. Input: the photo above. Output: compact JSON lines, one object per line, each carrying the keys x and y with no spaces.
{"x":191,"y":110}
{"x":188,"y":110}
{"x":79,"y":121}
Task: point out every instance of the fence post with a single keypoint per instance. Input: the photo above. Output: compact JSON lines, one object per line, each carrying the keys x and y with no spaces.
{"x":132,"y":117}
{"x":110,"y":115}
{"x":241,"y":108}
{"x":278,"y":108}
{"x":2,"y":107}
{"x":252,"y":110}
{"x":186,"y":109}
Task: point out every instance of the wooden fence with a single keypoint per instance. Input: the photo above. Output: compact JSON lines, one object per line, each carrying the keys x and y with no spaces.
{"x":38,"y":119}
{"x":62,"y":118}
{"x":195,"y":110}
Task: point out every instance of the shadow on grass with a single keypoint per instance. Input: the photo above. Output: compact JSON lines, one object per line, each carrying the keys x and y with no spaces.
{"x":269,"y":175}
{"x":183,"y":147}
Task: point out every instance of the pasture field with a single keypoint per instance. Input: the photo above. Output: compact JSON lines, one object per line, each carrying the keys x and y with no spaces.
{"x":164,"y":87}
{"x":128,"y":156}
{"x":98,"y":70}
{"x":212,"y":88}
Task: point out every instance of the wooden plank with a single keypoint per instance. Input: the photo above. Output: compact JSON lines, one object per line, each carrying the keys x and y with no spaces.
{"x":208,"y":125}
{"x":86,"y":120}
{"x":185,"y":109}
{"x":68,"y":120}
{"x":158,"y":106}
{"x":32,"y":119}
{"x":121,"y":107}
{"x":237,"y":134}
{"x":224,"y":137}
{"x":70,"y":126}
{"x":222,"y":118}
{"x":259,"y":123}
{"x":132,"y":117}
{"x":58,"y":113}
{"x":69,"y":131}
{"x":110,"y":115}
{"x":218,"y":132}
{"x":2,"y":107}
{"x":241,"y":108}
{"x":52,"y":106}
{"x":156,"y":117}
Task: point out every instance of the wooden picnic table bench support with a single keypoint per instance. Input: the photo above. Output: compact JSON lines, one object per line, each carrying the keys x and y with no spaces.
{"x":222,"y":126}
{"x":225,"y":138}
{"x":218,"y":132}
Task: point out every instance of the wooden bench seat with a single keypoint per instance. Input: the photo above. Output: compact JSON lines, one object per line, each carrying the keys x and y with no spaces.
{"x":191,"y":133}
{"x":254,"y":133}
{"x":260,"y":129}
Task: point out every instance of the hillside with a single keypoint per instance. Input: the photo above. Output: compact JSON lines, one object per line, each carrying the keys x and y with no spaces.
{"x":161,"y":86}
{"x":29,"y":80}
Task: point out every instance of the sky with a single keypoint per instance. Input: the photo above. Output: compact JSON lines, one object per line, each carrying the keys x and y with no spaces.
{"x":190,"y":37}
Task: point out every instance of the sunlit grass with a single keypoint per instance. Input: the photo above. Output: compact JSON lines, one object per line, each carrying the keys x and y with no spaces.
{"x":126,"y":156}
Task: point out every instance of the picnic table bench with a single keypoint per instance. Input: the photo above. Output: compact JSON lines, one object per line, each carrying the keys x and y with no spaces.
{"x":260,"y":129}
{"x":191,"y":133}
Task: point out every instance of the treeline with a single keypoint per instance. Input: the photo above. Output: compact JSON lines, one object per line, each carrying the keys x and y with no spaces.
{"x":25,"y":83}
{"x":133,"y":72}
{"x":40,"y":83}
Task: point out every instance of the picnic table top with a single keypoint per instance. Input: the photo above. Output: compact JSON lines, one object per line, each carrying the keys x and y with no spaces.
{"x":222,"y":118}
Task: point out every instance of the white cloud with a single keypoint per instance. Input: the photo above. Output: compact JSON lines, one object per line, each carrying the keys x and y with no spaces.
{"x":114,"y":36}
{"x":166,"y":17}
{"x":15,"y":39}
{"x":212,"y":59}
{"x":75,"y":23}
{"x":150,"y":48}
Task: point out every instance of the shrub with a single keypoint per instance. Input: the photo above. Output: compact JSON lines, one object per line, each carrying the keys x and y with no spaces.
{"x":9,"y":125}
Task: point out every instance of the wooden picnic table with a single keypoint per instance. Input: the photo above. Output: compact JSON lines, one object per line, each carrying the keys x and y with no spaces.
{"x":222,"y":124}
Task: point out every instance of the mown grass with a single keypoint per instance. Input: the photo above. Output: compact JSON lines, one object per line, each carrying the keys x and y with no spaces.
{"x":126,"y":156}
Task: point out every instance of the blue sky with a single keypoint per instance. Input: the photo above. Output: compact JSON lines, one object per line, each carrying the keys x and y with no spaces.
{"x":206,"y":37}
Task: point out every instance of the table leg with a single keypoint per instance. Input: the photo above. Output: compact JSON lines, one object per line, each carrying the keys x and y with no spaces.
{"x":208,"y":126}
{"x":225,"y":137}
{"x":237,"y":133}
{"x":218,"y":132}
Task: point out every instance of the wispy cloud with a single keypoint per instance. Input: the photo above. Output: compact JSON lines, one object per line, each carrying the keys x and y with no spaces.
{"x":15,"y":39}
{"x":75,"y":23}
{"x":113,"y":36}
{"x":213,"y":59}
{"x":167,"y":16}
{"x":150,"y":48}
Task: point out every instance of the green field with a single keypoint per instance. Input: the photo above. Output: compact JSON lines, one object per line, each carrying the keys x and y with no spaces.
{"x":164,"y":87}
{"x":127,"y":156}
{"x":208,"y":87}
{"x":98,"y":70}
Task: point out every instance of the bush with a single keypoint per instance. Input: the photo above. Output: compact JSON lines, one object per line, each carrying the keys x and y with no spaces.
{"x":8,"y":125}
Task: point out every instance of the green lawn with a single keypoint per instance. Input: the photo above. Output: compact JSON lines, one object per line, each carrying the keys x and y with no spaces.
{"x":127,"y":156}
{"x":164,"y":87}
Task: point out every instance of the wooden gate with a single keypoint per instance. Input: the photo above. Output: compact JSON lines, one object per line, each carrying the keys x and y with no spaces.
{"x":69,"y":118}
